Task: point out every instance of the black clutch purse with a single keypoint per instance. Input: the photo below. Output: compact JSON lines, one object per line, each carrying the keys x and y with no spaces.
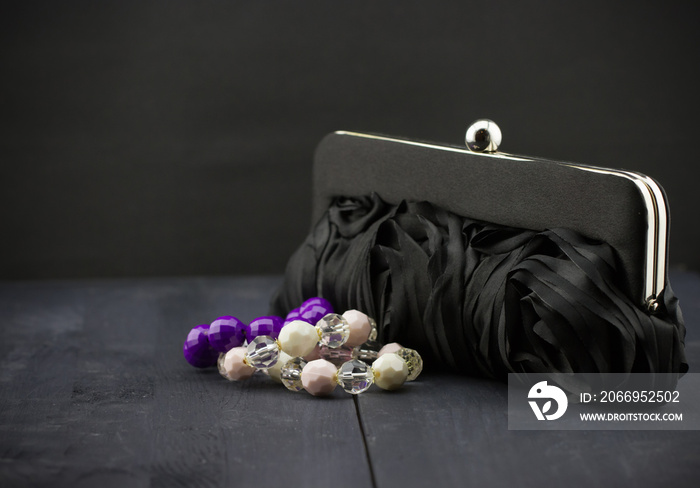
{"x":490,"y":263}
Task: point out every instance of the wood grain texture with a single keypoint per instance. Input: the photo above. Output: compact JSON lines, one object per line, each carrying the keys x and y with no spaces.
{"x":94,"y":392}
{"x":453,"y":431}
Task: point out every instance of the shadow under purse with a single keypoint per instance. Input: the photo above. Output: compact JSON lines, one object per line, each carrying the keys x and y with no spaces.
{"x":490,"y":263}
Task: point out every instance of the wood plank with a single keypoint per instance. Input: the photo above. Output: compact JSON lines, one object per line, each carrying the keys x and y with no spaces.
{"x":453,"y":431}
{"x":94,"y":391}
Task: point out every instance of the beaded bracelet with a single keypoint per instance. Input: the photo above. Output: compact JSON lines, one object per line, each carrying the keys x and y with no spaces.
{"x":316,"y":358}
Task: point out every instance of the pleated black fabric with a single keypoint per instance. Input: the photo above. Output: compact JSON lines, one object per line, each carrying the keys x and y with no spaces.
{"x":482,"y":298}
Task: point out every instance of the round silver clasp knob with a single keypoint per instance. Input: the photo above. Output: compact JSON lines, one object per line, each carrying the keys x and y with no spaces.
{"x":483,"y":135}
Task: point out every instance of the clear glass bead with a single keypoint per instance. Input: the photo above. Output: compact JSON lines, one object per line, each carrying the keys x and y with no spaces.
{"x":337,"y":355}
{"x":355,"y":376}
{"x":263,"y":352}
{"x":374,"y":332}
{"x":221,"y":367}
{"x":367,"y":352}
{"x":291,"y":374}
{"x":413,"y":361}
{"x":335,"y":330}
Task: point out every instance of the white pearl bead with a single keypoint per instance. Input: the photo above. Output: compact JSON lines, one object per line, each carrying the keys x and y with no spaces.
{"x":276,"y":370}
{"x":390,"y":371}
{"x":298,"y":338}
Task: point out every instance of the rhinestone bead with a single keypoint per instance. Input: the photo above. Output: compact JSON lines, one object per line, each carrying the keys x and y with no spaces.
{"x":355,"y":376}
{"x":264,"y":326}
{"x":319,"y":377}
{"x":413,"y":361}
{"x":335,"y":330}
{"x":298,"y":338}
{"x":226,"y":332}
{"x":197,"y":350}
{"x":232,"y":365}
{"x":390,"y":371}
{"x":263,"y":352}
{"x":337,"y":355}
{"x":360,"y":327}
{"x":290,"y":374}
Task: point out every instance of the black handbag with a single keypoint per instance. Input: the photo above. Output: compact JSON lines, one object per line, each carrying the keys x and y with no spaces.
{"x":489,"y":263}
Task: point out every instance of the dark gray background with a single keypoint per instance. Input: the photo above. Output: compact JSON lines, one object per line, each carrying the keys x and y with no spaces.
{"x":173,"y":138}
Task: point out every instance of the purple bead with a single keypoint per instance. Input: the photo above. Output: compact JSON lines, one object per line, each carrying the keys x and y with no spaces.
{"x":314,"y":309}
{"x":314,"y":314}
{"x":295,"y":314}
{"x":197,"y":350}
{"x":316,"y":302}
{"x":226,"y":332}
{"x":269,"y":326}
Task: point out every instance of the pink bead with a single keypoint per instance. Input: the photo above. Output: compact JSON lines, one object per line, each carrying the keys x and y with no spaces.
{"x":234,"y":367}
{"x":391,"y":347}
{"x":336,"y":355}
{"x":315,"y":354}
{"x":319,"y":377}
{"x":359,"y":327}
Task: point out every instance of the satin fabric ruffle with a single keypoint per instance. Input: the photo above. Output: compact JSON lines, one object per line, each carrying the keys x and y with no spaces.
{"x":482,"y":298}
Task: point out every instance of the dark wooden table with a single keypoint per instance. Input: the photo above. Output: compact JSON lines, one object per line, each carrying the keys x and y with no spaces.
{"x":94,"y":392}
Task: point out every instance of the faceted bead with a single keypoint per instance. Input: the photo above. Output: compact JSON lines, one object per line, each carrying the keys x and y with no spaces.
{"x":337,"y":355}
{"x":290,"y":374}
{"x":317,"y":302}
{"x":374,"y":332}
{"x":367,"y":352}
{"x":413,"y":361}
{"x":355,"y":376}
{"x":298,"y":338}
{"x":264,"y":326}
{"x":335,"y":330}
{"x":232,"y":365}
{"x":319,"y":377}
{"x":314,"y":309}
{"x":359,"y":327}
{"x":389,"y":348}
{"x":220,"y":364}
{"x":313,"y":314}
{"x":316,"y":353}
{"x":197,"y":350}
{"x":263,"y":352}
{"x":390,"y":371}
{"x":226,"y":332}
{"x":275,"y":370}
{"x":294,"y":314}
